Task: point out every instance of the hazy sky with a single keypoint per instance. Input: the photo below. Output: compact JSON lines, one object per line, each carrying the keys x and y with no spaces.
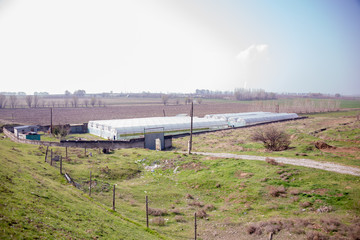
{"x":180,"y":45}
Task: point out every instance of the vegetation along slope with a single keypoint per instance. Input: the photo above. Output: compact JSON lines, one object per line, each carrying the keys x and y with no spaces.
{"x":233,"y":198}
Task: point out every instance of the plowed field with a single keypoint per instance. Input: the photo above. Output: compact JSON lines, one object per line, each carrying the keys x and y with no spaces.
{"x":41,"y":116}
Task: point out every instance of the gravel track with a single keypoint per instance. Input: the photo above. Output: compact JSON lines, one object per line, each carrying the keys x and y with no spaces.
{"x":332,"y":167}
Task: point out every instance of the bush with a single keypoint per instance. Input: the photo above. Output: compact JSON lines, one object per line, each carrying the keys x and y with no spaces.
{"x":157,"y":212}
{"x":159,"y":221}
{"x":273,"y":138}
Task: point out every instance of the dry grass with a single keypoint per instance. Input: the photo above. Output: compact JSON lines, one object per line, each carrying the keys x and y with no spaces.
{"x":180,"y":219}
{"x":157,"y":212}
{"x":201,"y":213}
{"x":277,"y":191}
{"x":159,"y":221}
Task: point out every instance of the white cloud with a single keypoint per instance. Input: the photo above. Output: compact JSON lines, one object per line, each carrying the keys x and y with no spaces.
{"x":251,"y":53}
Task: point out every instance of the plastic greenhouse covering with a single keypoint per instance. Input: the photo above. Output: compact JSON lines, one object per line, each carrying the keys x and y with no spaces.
{"x":114,"y":129}
{"x":244,"y":119}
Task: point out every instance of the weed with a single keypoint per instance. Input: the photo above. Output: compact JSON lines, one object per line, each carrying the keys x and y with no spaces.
{"x":271,"y":161}
{"x":209,"y":207}
{"x":316,"y":236}
{"x":157,"y":212}
{"x":277,"y":191}
{"x":180,"y":219}
{"x":201,"y":213}
{"x":175,"y":211}
{"x":159,"y":221}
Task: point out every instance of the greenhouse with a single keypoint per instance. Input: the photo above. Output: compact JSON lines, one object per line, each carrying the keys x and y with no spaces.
{"x":121,"y":128}
{"x":226,"y":116}
{"x":249,"y":118}
{"x":260,"y":118}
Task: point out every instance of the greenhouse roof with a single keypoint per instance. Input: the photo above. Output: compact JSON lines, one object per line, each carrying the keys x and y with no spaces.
{"x":138,"y":125}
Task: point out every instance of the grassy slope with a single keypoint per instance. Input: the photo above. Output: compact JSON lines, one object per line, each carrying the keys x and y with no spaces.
{"x":342,"y":132}
{"x":36,"y":202}
{"x":232,"y":192}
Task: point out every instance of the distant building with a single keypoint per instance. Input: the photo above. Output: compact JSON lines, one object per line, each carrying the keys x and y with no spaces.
{"x":78,"y":128}
{"x":27,"y":132}
{"x":25,"y":129}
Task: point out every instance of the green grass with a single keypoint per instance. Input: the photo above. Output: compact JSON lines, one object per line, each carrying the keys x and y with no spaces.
{"x":342,"y":132}
{"x":36,"y":202}
{"x":350,"y":104}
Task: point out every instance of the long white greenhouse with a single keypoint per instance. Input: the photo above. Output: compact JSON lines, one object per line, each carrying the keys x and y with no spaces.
{"x":124,"y":128}
{"x":249,"y":118}
{"x":119,"y":128}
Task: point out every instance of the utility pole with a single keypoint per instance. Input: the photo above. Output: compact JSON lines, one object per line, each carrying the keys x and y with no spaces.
{"x":51,"y":122}
{"x":191,"y":126}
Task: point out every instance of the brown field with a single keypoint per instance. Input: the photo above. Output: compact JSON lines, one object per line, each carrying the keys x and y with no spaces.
{"x":41,"y":116}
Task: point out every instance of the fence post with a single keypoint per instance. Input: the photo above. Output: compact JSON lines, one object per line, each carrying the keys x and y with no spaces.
{"x":51,"y":161}
{"x":46,"y":154}
{"x":90,"y":185}
{"x":61,"y":164}
{"x":147,"y":211}
{"x":85,"y":151}
{"x":114,"y":198}
{"x":195,"y":226}
{"x":66,"y":153}
{"x":191,"y":127}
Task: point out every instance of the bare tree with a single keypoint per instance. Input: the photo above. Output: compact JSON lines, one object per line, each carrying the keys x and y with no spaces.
{"x":43,"y":103}
{"x":165,"y":98}
{"x":2,"y":101}
{"x":29,"y":100}
{"x":13,"y":101}
{"x":75,"y":101}
{"x":273,"y":138}
{"x":86,"y":102}
{"x":93,"y":101}
{"x":66,"y":102}
{"x":36,"y":101}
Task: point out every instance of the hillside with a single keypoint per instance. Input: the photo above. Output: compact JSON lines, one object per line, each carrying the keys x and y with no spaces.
{"x":233,"y":198}
{"x":36,"y":203}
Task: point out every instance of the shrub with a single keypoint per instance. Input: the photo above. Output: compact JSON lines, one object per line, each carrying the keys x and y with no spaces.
{"x":157,"y":212}
{"x":201,"y":214}
{"x":277,"y":191}
{"x":160,"y":221}
{"x":271,"y":161}
{"x":273,"y":138}
{"x":179,"y":218}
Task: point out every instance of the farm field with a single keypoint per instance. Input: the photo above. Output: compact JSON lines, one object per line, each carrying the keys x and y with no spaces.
{"x":233,"y":199}
{"x":41,"y":116}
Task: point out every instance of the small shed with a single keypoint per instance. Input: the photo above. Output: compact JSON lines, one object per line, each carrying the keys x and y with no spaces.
{"x":30,"y":136}
{"x":78,"y":128}
{"x":25,"y":129}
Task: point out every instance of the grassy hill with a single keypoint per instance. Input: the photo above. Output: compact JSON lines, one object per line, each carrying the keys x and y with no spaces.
{"x":37,"y":203}
{"x":233,"y":199}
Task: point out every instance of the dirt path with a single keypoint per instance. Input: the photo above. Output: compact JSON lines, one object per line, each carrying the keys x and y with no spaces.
{"x":332,"y":167}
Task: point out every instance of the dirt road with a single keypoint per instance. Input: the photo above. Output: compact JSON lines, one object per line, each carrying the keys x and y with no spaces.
{"x":332,"y":167}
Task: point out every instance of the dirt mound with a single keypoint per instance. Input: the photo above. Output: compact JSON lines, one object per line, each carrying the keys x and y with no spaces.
{"x":322,"y":145}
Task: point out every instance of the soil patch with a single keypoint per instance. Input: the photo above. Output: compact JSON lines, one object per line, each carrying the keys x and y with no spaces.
{"x":322,"y":145}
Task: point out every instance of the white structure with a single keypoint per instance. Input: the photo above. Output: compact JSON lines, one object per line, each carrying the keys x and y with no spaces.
{"x":25,"y":129}
{"x":115,"y":129}
{"x":244,"y":119}
{"x":226,"y":116}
